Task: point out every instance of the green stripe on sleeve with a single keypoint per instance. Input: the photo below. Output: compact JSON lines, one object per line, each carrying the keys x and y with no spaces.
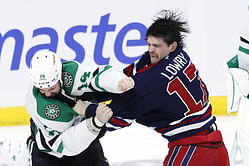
{"x":244,"y":50}
{"x":98,"y":75}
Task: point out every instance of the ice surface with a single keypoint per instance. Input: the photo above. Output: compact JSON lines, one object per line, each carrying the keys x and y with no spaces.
{"x":136,"y":145}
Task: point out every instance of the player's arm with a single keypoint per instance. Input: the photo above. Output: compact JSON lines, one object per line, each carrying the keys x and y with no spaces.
{"x":109,"y":79}
{"x":102,"y":79}
{"x":77,"y":138}
{"x":116,"y":122}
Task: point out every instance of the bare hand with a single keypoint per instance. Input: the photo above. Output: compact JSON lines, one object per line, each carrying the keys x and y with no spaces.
{"x":126,"y":84}
{"x":103,"y":113}
{"x":80,"y":107}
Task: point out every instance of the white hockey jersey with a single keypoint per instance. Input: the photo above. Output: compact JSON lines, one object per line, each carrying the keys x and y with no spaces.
{"x":238,"y":95}
{"x":237,"y":69}
{"x":59,"y":130}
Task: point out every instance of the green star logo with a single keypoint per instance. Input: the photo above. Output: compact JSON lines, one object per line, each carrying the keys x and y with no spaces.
{"x":52,"y":111}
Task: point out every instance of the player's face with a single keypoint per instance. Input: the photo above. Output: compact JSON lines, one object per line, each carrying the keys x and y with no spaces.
{"x":52,"y":91}
{"x":158,"y":49}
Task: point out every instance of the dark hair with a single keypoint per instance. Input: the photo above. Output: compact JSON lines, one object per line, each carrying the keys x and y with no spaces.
{"x":170,"y":27}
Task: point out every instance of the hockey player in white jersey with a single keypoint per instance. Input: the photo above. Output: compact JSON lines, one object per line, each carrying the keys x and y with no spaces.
{"x":238,"y":99}
{"x":59,"y":134}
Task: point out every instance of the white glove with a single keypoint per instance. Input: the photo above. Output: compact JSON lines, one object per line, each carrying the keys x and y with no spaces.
{"x":126,"y":84}
{"x":80,"y":107}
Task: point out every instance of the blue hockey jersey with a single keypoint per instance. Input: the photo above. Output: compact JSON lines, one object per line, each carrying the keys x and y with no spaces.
{"x":168,"y":96}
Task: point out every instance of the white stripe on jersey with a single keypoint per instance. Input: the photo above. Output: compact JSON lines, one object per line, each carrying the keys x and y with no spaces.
{"x":188,"y":127}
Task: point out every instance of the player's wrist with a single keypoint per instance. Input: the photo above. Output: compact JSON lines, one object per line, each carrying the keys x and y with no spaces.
{"x":91,"y":127}
{"x":97,"y":123}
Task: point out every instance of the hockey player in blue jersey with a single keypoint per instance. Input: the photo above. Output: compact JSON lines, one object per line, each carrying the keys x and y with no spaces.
{"x":170,"y":97}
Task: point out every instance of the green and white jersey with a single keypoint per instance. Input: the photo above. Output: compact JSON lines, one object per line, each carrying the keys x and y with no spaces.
{"x":59,"y":130}
{"x":78,"y":79}
{"x":237,"y":70}
{"x":241,"y":59}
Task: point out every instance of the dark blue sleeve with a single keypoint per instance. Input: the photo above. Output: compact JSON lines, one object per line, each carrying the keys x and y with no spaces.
{"x":91,"y":110}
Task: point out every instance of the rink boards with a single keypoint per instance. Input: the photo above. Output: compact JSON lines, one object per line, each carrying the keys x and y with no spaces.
{"x":11,"y":116}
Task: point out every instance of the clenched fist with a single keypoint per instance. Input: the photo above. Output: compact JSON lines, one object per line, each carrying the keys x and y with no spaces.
{"x":126,"y":84}
{"x":80,"y":107}
{"x":103,"y":114}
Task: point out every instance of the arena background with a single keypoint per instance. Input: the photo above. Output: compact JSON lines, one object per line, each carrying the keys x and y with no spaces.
{"x":110,"y":32}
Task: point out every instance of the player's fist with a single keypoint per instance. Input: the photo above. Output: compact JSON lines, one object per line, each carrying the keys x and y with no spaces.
{"x":103,"y":114}
{"x":126,"y":84}
{"x":80,"y":107}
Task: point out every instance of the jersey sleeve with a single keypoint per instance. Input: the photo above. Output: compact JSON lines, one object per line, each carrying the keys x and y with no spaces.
{"x":70,"y":142}
{"x":106,"y":79}
{"x":117,"y":122}
{"x":78,"y":78}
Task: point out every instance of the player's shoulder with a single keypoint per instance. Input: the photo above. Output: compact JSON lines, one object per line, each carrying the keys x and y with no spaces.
{"x":69,"y":71}
{"x":70,"y":65}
